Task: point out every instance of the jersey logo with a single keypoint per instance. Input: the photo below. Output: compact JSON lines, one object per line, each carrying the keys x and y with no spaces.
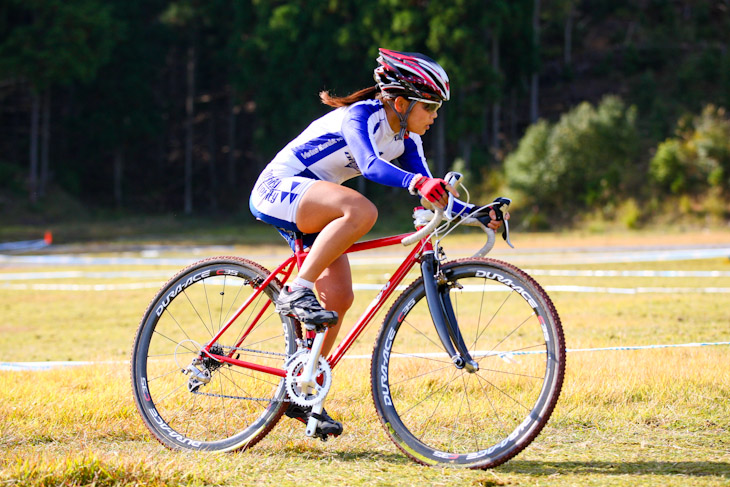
{"x":352,"y":164}
{"x":316,"y":149}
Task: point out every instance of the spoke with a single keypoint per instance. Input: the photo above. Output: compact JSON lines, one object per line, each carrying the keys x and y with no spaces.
{"x":255,"y":377}
{"x":421,"y":375}
{"x":176,"y":343}
{"x":220,"y":308}
{"x":193,"y":352}
{"x":207,"y":414}
{"x":173,"y":371}
{"x":513,"y":331}
{"x":458,"y":415}
{"x":439,"y":345}
{"x":501,"y":391}
{"x":539,"y":377}
{"x":505,"y":431}
{"x":162,"y":399}
{"x":167,"y":310}
{"x":421,"y":357}
{"x":471,"y":414}
{"x":479,"y":319}
{"x":223,"y":405}
{"x":205,"y":291}
{"x":185,"y":293}
{"x":492,"y":354}
{"x":494,"y":315}
{"x":264,"y":341}
{"x":242,"y":390}
{"x":433,"y":413}
{"x":234,"y":300}
{"x":248,"y":319}
{"x":253,"y":309}
{"x":176,"y":414}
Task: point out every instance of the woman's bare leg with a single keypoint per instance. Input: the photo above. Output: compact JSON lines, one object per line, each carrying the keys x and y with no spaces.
{"x":334,"y":287}
{"x":341,"y":216}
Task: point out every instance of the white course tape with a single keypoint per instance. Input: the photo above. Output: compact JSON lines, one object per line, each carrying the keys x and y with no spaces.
{"x":39,"y":366}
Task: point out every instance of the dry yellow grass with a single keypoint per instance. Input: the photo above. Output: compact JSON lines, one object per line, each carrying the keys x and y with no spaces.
{"x":650,"y":417}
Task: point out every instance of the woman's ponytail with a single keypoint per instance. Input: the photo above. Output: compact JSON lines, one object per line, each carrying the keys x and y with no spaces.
{"x":343,"y":101}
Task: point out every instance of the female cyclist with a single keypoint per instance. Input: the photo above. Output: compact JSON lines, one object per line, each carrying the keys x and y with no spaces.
{"x":300,"y":191}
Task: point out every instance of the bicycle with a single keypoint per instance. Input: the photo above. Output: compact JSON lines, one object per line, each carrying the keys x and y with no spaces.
{"x":466,"y":370}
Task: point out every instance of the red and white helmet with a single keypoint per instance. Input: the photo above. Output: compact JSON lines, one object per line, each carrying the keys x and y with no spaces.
{"x":411,"y":75}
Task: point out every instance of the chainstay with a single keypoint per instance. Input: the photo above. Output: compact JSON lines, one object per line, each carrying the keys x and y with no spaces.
{"x":244,"y":398}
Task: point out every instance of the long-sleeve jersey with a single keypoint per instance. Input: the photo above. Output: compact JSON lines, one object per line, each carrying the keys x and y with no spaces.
{"x":351,"y":141}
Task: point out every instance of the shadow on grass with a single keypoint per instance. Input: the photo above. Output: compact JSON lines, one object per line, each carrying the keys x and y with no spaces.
{"x":542,"y":469}
{"x":692,"y":469}
{"x":349,"y":455}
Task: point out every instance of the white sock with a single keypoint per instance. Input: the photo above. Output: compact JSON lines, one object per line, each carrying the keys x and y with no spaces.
{"x":299,"y":282}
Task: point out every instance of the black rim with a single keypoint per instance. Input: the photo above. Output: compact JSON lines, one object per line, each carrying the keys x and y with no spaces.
{"x":237,"y":407}
{"x":439,"y":414}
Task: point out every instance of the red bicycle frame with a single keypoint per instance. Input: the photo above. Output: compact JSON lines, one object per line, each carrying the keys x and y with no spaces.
{"x":285,"y":270}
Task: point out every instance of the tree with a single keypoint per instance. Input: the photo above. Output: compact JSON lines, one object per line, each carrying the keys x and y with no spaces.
{"x":467,"y":37}
{"x":580,"y":162}
{"x":697,"y":157}
{"x":52,"y":43}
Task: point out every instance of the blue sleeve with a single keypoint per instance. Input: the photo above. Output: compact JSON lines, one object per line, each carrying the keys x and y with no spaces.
{"x":355,"y":130}
{"x":414,"y":160}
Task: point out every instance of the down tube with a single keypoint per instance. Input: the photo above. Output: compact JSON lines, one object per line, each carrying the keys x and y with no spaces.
{"x":376,"y":304}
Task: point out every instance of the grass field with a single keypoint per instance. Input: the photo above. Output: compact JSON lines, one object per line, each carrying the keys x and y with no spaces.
{"x":625,"y":417}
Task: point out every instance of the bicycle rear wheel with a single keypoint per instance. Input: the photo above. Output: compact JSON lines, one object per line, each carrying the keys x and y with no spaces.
{"x":231,"y":407}
{"x":439,"y":414}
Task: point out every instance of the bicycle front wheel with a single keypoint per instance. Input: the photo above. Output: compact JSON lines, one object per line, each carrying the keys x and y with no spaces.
{"x":189,"y":400}
{"x":437,"y":413}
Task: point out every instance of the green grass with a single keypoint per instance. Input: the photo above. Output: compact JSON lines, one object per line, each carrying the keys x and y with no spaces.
{"x":651,"y":417}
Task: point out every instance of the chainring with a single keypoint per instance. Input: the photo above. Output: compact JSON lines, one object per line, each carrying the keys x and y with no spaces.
{"x":294,"y":367}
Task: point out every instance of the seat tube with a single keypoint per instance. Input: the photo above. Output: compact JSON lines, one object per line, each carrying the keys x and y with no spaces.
{"x":299,"y":251}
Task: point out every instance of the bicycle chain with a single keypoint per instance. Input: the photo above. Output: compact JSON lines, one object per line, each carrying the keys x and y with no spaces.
{"x":224,"y":396}
{"x":244,"y":398}
{"x":257,"y":351}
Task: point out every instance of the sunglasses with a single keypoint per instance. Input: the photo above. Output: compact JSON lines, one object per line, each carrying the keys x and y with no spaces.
{"x":429,"y":105}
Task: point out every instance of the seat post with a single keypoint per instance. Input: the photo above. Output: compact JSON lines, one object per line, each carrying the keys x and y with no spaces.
{"x":299,"y":252}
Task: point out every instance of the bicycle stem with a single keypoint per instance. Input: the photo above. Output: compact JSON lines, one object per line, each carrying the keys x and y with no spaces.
{"x":442,"y":314}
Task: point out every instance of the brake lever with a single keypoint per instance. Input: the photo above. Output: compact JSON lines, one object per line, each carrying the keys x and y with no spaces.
{"x":451,"y":178}
{"x":503,"y":204}
{"x":505,"y":233}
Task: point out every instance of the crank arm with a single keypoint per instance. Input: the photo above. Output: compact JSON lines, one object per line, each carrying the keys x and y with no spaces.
{"x":307,"y":380}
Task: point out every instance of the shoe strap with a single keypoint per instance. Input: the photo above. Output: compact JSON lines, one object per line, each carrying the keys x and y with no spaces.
{"x":319,"y":417}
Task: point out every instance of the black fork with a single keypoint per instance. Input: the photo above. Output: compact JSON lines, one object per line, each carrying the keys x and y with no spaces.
{"x":443,"y":316}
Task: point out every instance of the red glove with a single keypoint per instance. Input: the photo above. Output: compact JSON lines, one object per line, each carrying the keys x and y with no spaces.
{"x":433,"y":189}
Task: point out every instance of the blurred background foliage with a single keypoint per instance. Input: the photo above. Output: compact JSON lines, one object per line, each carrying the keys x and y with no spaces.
{"x":610,"y":109}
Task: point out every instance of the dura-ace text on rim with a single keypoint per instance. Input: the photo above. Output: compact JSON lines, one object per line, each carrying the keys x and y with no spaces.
{"x":438,"y":413}
{"x":189,"y":400}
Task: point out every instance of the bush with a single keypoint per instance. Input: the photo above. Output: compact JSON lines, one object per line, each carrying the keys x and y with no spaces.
{"x":697,"y":158}
{"x":581,"y":162}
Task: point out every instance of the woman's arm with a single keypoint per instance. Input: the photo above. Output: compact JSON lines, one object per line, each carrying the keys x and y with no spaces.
{"x":357,"y":128}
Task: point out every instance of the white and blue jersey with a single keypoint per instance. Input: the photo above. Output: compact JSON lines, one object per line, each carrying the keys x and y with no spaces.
{"x":347,"y":142}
